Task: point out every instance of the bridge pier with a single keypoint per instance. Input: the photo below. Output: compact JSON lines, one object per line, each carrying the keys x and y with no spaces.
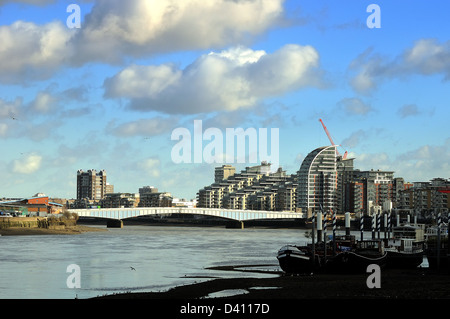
{"x":235,"y":224}
{"x":114,"y":223}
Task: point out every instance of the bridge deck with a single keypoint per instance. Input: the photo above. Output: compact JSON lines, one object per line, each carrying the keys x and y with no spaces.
{"x":241,"y":215}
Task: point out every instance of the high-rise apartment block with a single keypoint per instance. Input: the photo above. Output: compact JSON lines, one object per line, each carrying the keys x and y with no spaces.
{"x":91,"y":184}
{"x":321,"y":179}
{"x":317,"y":180}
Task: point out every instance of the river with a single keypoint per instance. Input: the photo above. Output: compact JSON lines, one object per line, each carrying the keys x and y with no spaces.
{"x":132,"y":259}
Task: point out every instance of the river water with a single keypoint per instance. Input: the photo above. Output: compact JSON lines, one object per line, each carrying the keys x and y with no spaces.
{"x":161,"y":256}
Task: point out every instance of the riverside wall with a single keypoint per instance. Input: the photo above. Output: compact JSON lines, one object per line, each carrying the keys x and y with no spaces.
{"x":35,"y":222}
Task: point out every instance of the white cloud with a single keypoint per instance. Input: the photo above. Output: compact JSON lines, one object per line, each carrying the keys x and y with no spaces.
{"x":354,"y":106}
{"x":140,"y":27}
{"x":10,"y":110}
{"x":150,"y":166}
{"x":368,"y":161}
{"x":408,"y":110}
{"x":27,"y":165}
{"x":40,"y":51}
{"x":425,"y":57}
{"x":429,"y":57}
{"x":3,"y":129}
{"x":421,"y":164}
{"x":142,"y":82}
{"x":115,"y":29}
{"x":354,"y":139}
{"x":142,"y":127}
{"x":229,"y":80}
{"x":43,"y":103}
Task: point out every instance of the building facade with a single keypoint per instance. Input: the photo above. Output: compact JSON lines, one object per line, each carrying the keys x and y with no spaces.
{"x":119,"y":200}
{"x":91,"y":184}
{"x":425,"y":196}
{"x":325,"y":181}
{"x":317,"y":181}
{"x":223,"y":172}
{"x":254,"y":187}
{"x":150,"y":197}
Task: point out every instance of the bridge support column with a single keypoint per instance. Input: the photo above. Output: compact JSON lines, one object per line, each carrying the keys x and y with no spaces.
{"x":114,"y":223}
{"x":235,"y":224}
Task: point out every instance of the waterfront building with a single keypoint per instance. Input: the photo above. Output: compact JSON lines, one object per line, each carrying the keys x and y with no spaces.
{"x":345,"y":174}
{"x":287,"y":195}
{"x":119,"y":200}
{"x":371,"y":191}
{"x":325,"y":179}
{"x":147,"y":190}
{"x":109,"y":188}
{"x":425,"y":196}
{"x":38,"y":205}
{"x":317,"y":181}
{"x":91,"y":185}
{"x":223,"y":172}
{"x":254,"y":187}
{"x":150,"y":197}
{"x":355,"y":198}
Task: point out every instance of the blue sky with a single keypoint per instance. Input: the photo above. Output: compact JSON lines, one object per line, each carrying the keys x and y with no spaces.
{"x":109,"y":94}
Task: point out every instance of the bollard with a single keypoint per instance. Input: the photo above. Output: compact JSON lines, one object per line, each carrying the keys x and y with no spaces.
{"x":334,"y":233}
{"x":347,"y":224}
{"x":378,"y":224}
{"x":373,"y":225}
{"x":319,"y":227}
{"x":361,"y":226}
{"x":389,"y":224}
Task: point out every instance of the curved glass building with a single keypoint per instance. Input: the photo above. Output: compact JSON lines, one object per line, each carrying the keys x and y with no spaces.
{"x":317,"y":180}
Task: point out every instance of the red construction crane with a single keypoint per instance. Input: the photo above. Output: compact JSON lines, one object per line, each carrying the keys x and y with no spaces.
{"x":331,"y":139}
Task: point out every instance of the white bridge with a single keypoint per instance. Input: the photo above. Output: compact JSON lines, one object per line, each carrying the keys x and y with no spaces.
{"x":232,"y":214}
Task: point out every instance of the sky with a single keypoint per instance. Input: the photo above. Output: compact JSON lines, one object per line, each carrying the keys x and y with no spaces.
{"x":111,"y":92}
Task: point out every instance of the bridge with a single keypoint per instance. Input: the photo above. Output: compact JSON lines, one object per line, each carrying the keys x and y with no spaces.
{"x":118,"y":214}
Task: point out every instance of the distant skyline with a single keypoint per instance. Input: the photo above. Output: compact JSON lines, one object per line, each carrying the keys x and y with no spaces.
{"x":108,"y":95}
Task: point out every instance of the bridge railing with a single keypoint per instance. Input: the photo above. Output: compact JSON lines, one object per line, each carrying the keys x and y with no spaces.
{"x":123,"y":213}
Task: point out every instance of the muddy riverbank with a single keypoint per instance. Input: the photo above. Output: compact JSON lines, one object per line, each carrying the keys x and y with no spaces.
{"x":395,"y":284}
{"x":66,"y":230}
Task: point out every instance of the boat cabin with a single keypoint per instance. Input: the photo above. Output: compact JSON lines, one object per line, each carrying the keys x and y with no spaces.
{"x":408,"y":232}
{"x":373,"y":245}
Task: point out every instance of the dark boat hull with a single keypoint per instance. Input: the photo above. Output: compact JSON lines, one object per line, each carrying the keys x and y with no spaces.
{"x":350,"y":262}
{"x":294,"y":260}
{"x":433,"y":260}
{"x":404,"y":260}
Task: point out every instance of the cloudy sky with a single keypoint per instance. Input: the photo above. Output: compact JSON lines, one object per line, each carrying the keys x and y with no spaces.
{"x":109,"y":94}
